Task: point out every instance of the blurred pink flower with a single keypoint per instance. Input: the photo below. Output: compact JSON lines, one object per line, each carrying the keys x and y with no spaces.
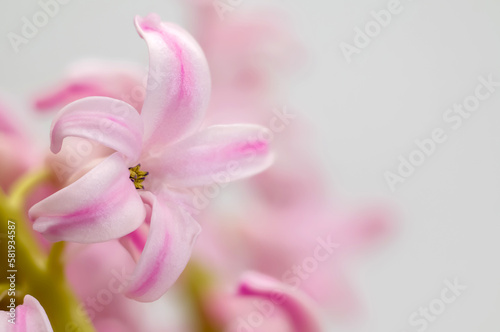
{"x":263,"y":304}
{"x":251,"y":54}
{"x":99,"y":273}
{"x":16,"y":150}
{"x":29,"y":317}
{"x":104,"y":204}
{"x":316,"y":237}
{"x":86,"y":78}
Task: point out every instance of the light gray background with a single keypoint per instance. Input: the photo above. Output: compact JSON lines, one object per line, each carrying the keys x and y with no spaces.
{"x":366,"y":114}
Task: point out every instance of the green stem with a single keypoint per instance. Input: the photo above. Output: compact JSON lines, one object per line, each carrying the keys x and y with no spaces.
{"x":198,"y":281}
{"x":38,"y":275}
{"x":25,"y":186}
{"x":16,"y":202}
{"x":3,"y":290}
{"x":55,"y":264}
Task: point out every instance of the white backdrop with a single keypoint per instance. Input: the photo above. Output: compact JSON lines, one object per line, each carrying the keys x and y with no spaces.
{"x":366,"y":114}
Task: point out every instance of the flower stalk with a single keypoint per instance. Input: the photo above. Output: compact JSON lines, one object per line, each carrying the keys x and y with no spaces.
{"x":38,"y":274}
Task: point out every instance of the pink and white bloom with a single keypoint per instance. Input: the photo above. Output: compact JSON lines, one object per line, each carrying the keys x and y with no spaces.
{"x":29,"y":317}
{"x":162,"y":151}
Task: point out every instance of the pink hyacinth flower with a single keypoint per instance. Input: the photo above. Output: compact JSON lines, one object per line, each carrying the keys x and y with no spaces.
{"x":264,"y":304}
{"x":163,"y":140}
{"x":29,"y":317}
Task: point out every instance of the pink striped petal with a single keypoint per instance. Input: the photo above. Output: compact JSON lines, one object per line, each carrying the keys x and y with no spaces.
{"x":295,"y":304}
{"x":218,"y":154}
{"x":101,"y":205}
{"x":111,"y":122}
{"x":29,"y":317}
{"x":178,"y":88}
{"x":89,"y":77}
{"x":172,"y":235}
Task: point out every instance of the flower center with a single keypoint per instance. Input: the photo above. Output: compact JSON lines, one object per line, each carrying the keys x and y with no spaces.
{"x":137,"y":176}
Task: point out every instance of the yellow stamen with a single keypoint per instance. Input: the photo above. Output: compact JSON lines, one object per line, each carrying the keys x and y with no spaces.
{"x":137,"y":176}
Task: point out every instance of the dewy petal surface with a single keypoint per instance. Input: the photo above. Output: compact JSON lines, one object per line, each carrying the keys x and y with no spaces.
{"x":30,"y":317}
{"x":170,"y":241}
{"x":111,"y":122}
{"x":178,"y":87}
{"x":217,"y":154}
{"x":101,"y":205}
{"x":294,"y":303}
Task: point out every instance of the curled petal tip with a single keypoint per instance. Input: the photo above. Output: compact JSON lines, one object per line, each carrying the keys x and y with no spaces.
{"x":150,"y":21}
{"x":299,"y":308}
{"x":178,"y":87}
{"x":110,"y":122}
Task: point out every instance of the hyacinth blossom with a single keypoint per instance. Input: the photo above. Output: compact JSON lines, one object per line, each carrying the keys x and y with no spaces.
{"x":157,"y":152}
{"x":263,"y":304}
{"x":28,"y":317}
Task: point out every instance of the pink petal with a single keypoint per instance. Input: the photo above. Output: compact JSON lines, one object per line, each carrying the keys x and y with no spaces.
{"x":101,"y":205}
{"x":178,"y":88}
{"x":17,"y":157}
{"x":295,"y":304}
{"x":30,"y":317}
{"x":86,"y":78}
{"x":217,"y":154}
{"x":111,"y":122}
{"x":9,"y":124}
{"x":17,"y":153}
{"x":167,"y":251}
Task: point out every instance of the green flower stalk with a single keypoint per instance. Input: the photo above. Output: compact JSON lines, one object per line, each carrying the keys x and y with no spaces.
{"x":35,"y":272}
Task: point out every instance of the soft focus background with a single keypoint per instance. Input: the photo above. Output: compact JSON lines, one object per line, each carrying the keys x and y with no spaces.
{"x":365,"y":114}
